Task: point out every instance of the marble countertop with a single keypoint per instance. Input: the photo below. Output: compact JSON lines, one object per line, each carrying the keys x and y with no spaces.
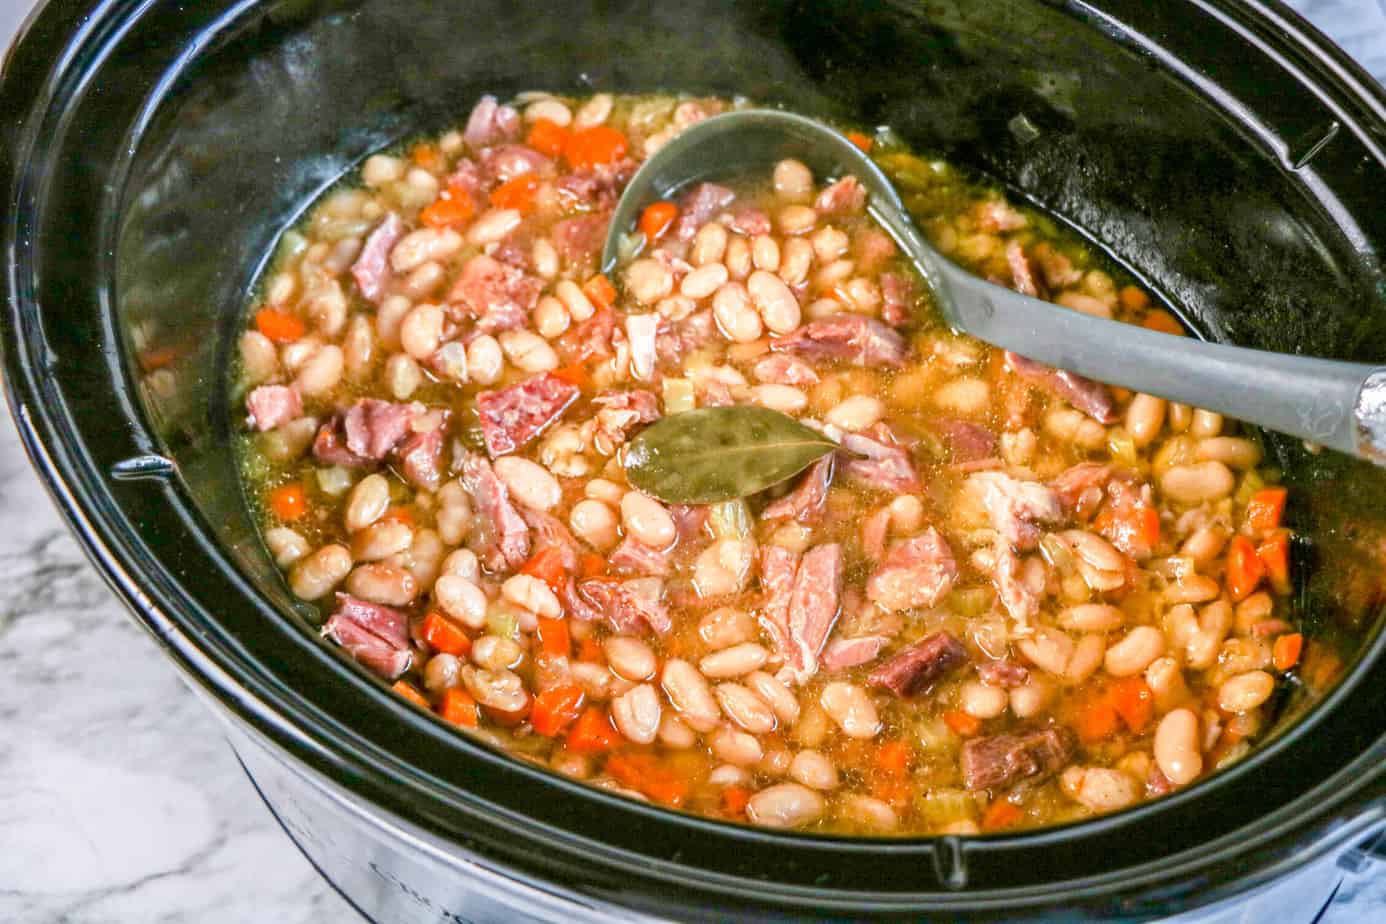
{"x":119,"y":799}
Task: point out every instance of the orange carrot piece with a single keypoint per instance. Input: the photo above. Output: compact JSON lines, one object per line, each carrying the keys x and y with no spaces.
{"x":454,"y":207}
{"x":589,"y":649}
{"x":734,"y":800}
{"x":1133,"y":298}
{"x":600,"y":290}
{"x":554,"y":638}
{"x":1286,"y":650}
{"x":427,"y":156}
{"x":961,"y":723}
{"x":1274,"y":553}
{"x":1244,"y":568}
{"x":1097,"y":720}
{"x":1264,"y":510}
{"x":656,"y":219}
{"x":1158,"y":319}
{"x":458,"y":707}
{"x":592,"y":733}
{"x":894,"y":757}
{"x":592,"y":147}
{"x":517,"y":193}
{"x":1000,"y":814}
{"x":442,"y":634}
{"x":547,"y":137}
{"x":592,"y":565}
{"x":646,"y":774}
{"x":547,"y":565}
{"x":862,"y":141}
{"x":575,"y":375}
{"x":279,"y":326}
{"x":410,"y":692}
{"x":555,"y":709}
{"x":1134,"y":701}
{"x":289,"y":502}
{"x":893,"y":789}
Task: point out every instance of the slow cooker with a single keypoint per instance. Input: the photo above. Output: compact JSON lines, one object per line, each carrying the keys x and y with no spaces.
{"x":1221,"y":149}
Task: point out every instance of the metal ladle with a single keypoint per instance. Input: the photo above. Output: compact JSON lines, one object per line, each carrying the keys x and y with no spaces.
{"x":1340,"y":405}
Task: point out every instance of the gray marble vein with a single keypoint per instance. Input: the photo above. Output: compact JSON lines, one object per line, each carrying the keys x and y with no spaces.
{"x":119,"y":799}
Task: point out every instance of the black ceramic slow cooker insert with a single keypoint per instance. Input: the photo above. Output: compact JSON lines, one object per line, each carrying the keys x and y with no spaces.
{"x":1222,"y":150}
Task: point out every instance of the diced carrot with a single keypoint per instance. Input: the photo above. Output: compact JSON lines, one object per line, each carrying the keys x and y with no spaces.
{"x":289,"y":502}
{"x":555,"y":709}
{"x":410,"y":692}
{"x":458,"y":707}
{"x":517,"y":193}
{"x":279,"y":326}
{"x":1132,"y":298}
{"x":862,"y":141}
{"x":591,"y":147}
{"x":547,"y":565}
{"x":1134,"y":701}
{"x":592,"y":733}
{"x":646,"y":774}
{"x":1244,"y":569}
{"x":454,"y":207}
{"x":591,"y":565}
{"x":1265,"y":508}
{"x":1122,"y":395}
{"x":554,"y":638}
{"x":656,"y":219}
{"x":1274,"y":553}
{"x":547,"y":137}
{"x":1158,"y":319}
{"x":734,"y":800}
{"x":894,"y":757}
{"x":600,"y":290}
{"x":962,"y":723}
{"x":427,"y":156}
{"x":589,"y":649}
{"x":1097,"y":720}
{"x":400,"y":514}
{"x":1132,"y":528}
{"x":893,"y":789}
{"x":442,"y":634}
{"x":576,"y":375}
{"x":1285,"y":651}
{"x":1000,"y":814}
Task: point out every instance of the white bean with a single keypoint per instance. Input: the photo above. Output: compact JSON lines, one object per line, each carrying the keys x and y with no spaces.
{"x":421,"y":331}
{"x":690,"y":694}
{"x":530,"y":593}
{"x":550,"y":317}
{"x":1197,"y":482}
{"x":1134,"y":653}
{"x":286,"y":545}
{"x":637,"y":713}
{"x":734,"y":661}
{"x":1091,"y":617}
{"x":492,"y":226}
{"x":552,"y":109}
{"x":381,"y":540}
{"x":796,"y":219}
{"x":367,"y":502}
{"x":1145,"y":416}
{"x":485,"y":361}
{"x":528,"y":352}
{"x":745,"y":708}
{"x":737,"y":747}
{"x":851,"y":708}
{"x":647,"y":521}
{"x":765,"y":253}
{"x":793,"y":181}
{"x":648,"y":280}
{"x":594,"y":523}
{"x":723,"y":567}
{"x":703,"y":281}
{"x":594,"y":112}
{"x":709,"y":245}
{"x":731,"y":307}
{"x":786,"y":805}
{"x":1177,"y":749}
{"x":574,"y":299}
{"x":496,"y":653}
{"x":1245,"y":692}
{"x":529,"y":482}
{"x":630,"y":657}
{"x":796,"y":259}
{"x":858,"y":412}
{"x":419,"y":247}
{"x":461,"y":599}
{"x":774,"y":300}
{"x":783,"y":398}
{"x":981,"y":701}
{"x":814,"y":770}
{"x":315,"y":576}
{"x":321,"y":373}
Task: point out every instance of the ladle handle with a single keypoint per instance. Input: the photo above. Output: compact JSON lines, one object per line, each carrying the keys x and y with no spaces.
{"x":1335,"y":404}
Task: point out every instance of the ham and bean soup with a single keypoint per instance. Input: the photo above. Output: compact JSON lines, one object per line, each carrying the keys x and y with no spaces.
{"x":742,"y":528}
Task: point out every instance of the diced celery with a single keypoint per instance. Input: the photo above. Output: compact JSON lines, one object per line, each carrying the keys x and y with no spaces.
{"x":678,"y":396}
{"x":971,"y":601}
{"x":731,"y":519}
{"x":334,"y":481}
{"x":1122,"y":447}
{"x":945,"y":806}
{"x":1251,"y":483}
{"x":502,"y":620}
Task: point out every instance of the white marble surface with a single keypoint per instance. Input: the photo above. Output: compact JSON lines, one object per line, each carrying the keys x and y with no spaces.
{"x":119,"y":800}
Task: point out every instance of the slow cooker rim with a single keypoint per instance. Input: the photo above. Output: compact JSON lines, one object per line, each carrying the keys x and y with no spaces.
{"x":42,"y":433}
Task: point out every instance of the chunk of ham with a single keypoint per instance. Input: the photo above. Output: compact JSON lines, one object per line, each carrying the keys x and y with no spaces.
{"x":636,"y":558}
{"x":880,"y":461}
{"x":621,"y":412}
{"x":498,"y":295}
{"x":376,"y":636}
{"x":1092,"y":398}
{"x":372,"y":267}
{"x":500,"y":537}
{"x":364,"y":433}
{"x":844,"y":653}
{"x":507,"y":161}
{"x":917,"y":572}
{"x":1020,"y":600}
{"x":691,"y":519}
{"x":490,"y":123}
{"x":897,"y":294}
{"x":852,"y":337}
{"x":272,"y":405}
{"x":1016,"y":507}
{"x":750,"y":222}
{"x":1004,"y":673}
{"x":997,"y":761}
{"x":782,"y":369}
{"x":420,"y":454}
{"x":590,"y":338}
{"x":1022,"y":280}
{"x":683,"y":336}
{"x":596,"y":188}
{"x":997,"y":215}
{"x":814,"y":604}
{"x":579,"y":240}
{"x":875,"y":530}
{"x":778,"y":566}
{"x":872,"y":248}
{"x":844,"y":197}
{"x":1056,"y":270}
{"x":512,"y":416}
{"x":806,"y":502}
{"x":697,"y":206}
{"x":630,"y":607}
{"x":966,"y":441}
{"x":918,"y":666}
{"x":548,"y":532}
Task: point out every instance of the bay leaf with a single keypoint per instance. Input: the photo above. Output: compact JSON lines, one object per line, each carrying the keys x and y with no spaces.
{"x":717,"y":454}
